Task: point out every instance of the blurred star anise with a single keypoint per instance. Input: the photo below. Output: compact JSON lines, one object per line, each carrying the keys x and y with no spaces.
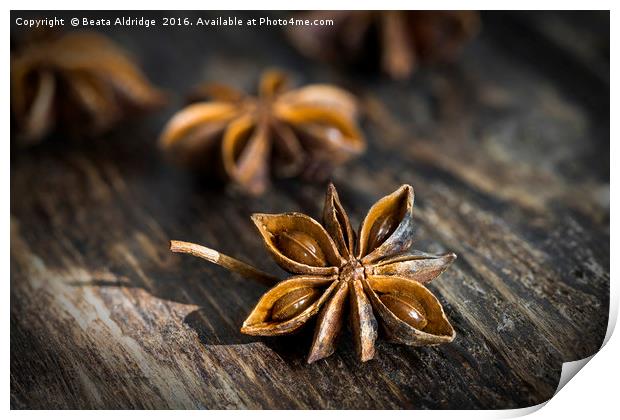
{"x":79,"y":83}
{"x":402,"y":39}
{"x":306,"y":131}
{"x":372,"y":277}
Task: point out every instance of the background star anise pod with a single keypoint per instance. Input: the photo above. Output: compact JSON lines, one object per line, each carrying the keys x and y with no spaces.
{"x":78,"y":83}
{"x":402,"y":39}
{"x":305,"y":131}
{"x":373,"y":277}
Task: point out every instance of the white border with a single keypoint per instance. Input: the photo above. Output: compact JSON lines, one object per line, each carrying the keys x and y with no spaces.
{"x":592,"y":395}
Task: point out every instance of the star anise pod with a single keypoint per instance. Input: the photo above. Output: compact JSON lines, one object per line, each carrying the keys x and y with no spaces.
{"x":79,"y":83}
{"x":373,"y":278}
{"x":305,"y":131}
{"x":402,"y":39}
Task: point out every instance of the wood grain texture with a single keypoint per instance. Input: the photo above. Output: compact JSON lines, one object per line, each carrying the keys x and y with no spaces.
{"x":508,"y":153}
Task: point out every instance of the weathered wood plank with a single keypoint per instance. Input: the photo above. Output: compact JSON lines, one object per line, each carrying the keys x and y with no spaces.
{"x":510,"y":167}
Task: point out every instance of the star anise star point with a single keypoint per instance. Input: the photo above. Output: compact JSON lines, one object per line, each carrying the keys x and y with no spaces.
{"x":372,"y":278}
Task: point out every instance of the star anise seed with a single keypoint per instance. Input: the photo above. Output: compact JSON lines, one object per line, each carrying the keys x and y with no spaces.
{"x":375,"y":277}
{"x":306,"y":131}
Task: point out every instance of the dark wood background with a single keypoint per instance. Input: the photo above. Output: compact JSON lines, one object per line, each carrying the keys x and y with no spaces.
{"x":508,"y":152}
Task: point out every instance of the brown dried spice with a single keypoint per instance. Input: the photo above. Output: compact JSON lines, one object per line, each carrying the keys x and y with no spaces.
{"x":374,"y":276}
{"x":79,"y":83}
{"x":403,"y":38}
{"x":305,"y":131}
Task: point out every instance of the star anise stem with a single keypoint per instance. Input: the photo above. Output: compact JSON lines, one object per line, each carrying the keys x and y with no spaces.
{"x":223,"y":260}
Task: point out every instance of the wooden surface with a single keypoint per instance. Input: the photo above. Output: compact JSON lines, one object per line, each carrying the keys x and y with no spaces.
{"x":508,"y":153}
